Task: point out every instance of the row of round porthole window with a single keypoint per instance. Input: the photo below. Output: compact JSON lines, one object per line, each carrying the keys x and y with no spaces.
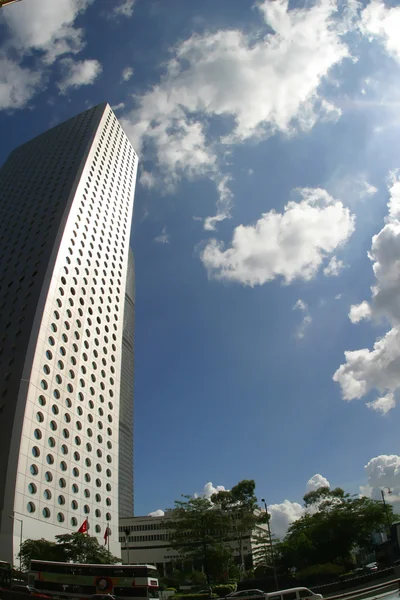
{"x":64,"y":449}
{"x":68,"y":402}
{"x":34,"y":470}
{"x":67,"y":417}
{"x":71,"y":373}
{"x":62,"y":483}
{"x":75,"y":489}
{"x":54,"y":426}
{"x":70,"y":388}
{"x":46,"y":512}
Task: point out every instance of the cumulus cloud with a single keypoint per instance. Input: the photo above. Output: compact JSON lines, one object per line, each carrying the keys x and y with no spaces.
{"x":17,"y":84}
{"x":156,"y":513}
{"x":315,"y":482}
{"x":46,"y":26}
{"x":147,"y":180}
{"x":79,"y":73}
{"x":378,"y":369}
{"x":124,"y":9}
{"x":291,"y":245}
{"x":119,"y":106}
{"x":383,"y":471}
{"x":359,"y":312}
{"x":43,"y":27}
{"x":283,"y":515}
{"x":334,"y":267}
{"x":163,"y":238}
{"x":209,"y":489}
{"x":263,"y":84}
{"x":127,"y":73}
{"x":383,"y":405}
{"x":383,"y":23}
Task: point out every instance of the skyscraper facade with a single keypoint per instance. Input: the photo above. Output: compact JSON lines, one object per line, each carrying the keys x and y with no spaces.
{"x":66,"y":201}
{"x":126,"y":397}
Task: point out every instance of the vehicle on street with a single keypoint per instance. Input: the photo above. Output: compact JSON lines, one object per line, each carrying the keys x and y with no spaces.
{"x":98,"y":582}
{"x":372,"y":566}
{"x":245,"y":593}
{"x":298,"y":593}
{"x":23,"y":589}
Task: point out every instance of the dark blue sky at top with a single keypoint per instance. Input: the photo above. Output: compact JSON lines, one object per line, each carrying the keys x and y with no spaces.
{"x":224,"y":390}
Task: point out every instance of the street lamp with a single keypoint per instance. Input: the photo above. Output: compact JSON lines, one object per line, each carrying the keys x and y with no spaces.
{"x":270,"y":543}
{"x":385,"y":505}
{"x":20,"y":540}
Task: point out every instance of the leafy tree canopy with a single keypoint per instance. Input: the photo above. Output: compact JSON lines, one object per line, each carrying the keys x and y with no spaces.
{"x":335,"y":525}
{"x":69,"y":547}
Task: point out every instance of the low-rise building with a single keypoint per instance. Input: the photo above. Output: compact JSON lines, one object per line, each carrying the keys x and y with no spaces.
{"x":147,"y":540}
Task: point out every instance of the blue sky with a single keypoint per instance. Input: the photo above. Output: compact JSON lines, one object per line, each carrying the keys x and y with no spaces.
{"x":266,"y":227}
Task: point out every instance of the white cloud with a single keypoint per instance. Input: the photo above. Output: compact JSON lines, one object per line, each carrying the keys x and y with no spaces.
{"x":306,"y":321}
{"x":338,"y":296}
{"x":264,"y":84}
{"x":379,"y":369}
{"x":300,"y":305}
{"x":124,"y":9}
{"x":156,"y":513}
{"x":383,"y":23}
{"x":283,"y":515}
{"x":292,"y":244}
{"x":383,"y":405}
{"x":79,"y":73}
{"x":359,"y":312}
{"x":315,"y":482}
{"x":163,"y":238}
{"x":369,"y":190}
{"x":209,"y":489}
{"x":17,"y":85}
{"x":334,"y":267}
{"x":147,"y":180}
{"x":119,"y":106}
{"x":46,"y":26}
{"x":127,"y":73}
{"x":383,"y":471}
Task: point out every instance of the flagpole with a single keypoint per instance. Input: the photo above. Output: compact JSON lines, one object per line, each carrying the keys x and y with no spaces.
{"x":108,"y":537}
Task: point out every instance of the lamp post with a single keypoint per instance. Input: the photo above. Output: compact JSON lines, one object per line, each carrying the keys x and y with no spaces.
{"x":270,"y":543}
{"x":385,"y":505}
{"x":20,"y":540}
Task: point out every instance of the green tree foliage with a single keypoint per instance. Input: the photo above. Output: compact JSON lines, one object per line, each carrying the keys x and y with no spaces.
{"x":196,"y":531}
{"x":334,"y":526}
{"x":70,"y":547}
{"x":239,"y":504}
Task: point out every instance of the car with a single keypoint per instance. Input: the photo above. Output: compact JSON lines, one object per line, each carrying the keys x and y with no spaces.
{"x":245,"y":593}
{"x":23,"y":589}
{"x":372,"y":566}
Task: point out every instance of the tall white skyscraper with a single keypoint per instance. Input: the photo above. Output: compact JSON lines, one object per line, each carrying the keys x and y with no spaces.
{"x":66,"y":201}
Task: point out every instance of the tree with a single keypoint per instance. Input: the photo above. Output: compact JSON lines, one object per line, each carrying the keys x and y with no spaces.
{"x":196,"y":531}
{"x":69,"y":547}
{"x":334,"y":526}
{"x":40,"y":550}
{"x":239,"y":504}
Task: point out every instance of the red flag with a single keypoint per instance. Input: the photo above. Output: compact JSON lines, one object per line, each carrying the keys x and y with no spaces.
{"x":107,"y":533}
{"x":84,"y":527}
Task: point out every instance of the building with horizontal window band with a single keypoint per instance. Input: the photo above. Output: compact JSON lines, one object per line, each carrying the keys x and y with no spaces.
{"x":66,"y":332}
{"x":147,"y":540}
